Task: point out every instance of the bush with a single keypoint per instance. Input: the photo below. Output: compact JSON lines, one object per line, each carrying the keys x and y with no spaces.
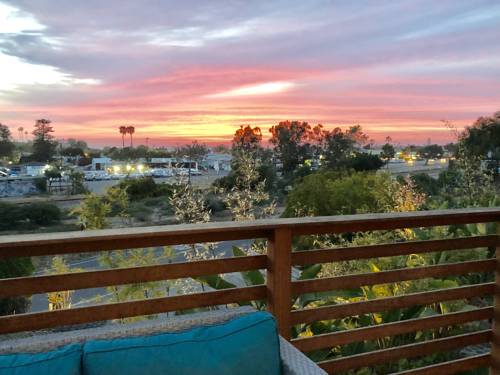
{"x":145,"y":187}
{"x":332,"y":193}
{"x":426,"y":184}
{"x":41,"y":184}
{"x":13,"y":216}
{"x":41,"y":213}
{"x":214,"y":203}
{"x":15,"y":267}
{"x":140,"y":211}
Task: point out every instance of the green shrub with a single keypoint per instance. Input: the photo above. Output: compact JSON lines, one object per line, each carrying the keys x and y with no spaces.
{"x":214,"y":203}
{"x":145,"y":187}
{"x":41,"y":184}
{"x":41,"y":213}
{"x":140,"y":211}
{"x":15,"y":267}
{"x":32,"y":215}
{"x":333,"y":193}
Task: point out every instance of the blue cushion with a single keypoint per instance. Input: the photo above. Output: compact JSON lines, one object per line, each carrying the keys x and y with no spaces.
{"x":246,"y":345}
{"x":63,"y":361}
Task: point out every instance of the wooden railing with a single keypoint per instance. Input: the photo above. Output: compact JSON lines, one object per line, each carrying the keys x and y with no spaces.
{"x":280,"y":289}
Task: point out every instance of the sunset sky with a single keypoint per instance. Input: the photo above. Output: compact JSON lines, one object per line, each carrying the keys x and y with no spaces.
{"x":196,"y":70}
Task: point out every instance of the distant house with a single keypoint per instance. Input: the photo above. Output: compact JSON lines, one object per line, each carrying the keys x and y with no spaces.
{"x":34,"y":168}
{"x":219,"y":162}
{"x":101,"y":164}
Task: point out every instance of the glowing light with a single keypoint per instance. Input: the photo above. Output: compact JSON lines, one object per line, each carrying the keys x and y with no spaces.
{"x":259,"y":89}
{"x":116,"y":168}
{"x":140,"y":167}
{"x":129,"y":167}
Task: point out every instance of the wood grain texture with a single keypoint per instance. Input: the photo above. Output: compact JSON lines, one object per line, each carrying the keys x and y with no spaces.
{"x":451,"y":367}
{"x":93,"y":279}
{"x":49,"y":319}
{"x":115,"y":239}
{"x":302,"y":258}
{"x":329,"y":340}
{"x":406,"y":351}
{"x":384,"y":277}
{"x":389,"y":303}
{"x":279,"y":278}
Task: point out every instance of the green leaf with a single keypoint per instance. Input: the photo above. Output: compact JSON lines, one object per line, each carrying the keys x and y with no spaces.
{"x":216,"y":282}
{"x":310,"y":272}
{"x":251,"y":278}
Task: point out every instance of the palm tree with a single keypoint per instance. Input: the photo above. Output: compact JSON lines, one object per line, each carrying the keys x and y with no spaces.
{"x":123,"y":131}
{"x":20,"y":130}
{"x":131,"y":131}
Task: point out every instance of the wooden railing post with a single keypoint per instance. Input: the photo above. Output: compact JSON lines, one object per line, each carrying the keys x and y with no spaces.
{"x":279,"y":278}
{"x":495,"y":337}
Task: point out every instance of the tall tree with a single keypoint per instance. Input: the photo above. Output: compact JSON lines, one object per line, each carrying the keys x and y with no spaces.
{"x":291,"y":141}
{"x":247,"y":139}
{"x":388,"y":151}
{"x":44,"y":146}
{"x":482,"y":139}
{"x":123,"y":130}
{"x":131,"y":131}
{"x":6,"y":144}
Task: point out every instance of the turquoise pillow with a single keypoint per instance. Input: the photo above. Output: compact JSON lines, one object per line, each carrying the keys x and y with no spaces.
{"x":247,"y":345}
{"x":63,"y":361}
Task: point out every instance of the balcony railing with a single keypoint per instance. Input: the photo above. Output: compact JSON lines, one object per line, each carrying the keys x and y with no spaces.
{"x":279,"y":288}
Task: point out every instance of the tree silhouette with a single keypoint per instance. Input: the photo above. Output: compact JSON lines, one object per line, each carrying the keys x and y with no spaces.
{"x":123,"y":131}
{"x":131,"y":131}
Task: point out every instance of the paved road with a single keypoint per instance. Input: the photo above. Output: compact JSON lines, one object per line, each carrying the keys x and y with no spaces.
{"x":417,"y":167}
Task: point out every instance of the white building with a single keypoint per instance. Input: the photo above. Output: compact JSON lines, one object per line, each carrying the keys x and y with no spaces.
{"x":101,"y":164}
{"x":219,"y":162}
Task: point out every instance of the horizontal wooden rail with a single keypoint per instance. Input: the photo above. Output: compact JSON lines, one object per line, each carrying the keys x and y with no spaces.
{"x":120,"y":276}
{"x":302,"y":258}
{"x":116,"y":239}
{"x":407,"y":351}
{"x":34,"y":321}
{"x":389,"y":303}
{"x":385,"y":277}
{"x":329,"y":340}
{"x":451,"y":367}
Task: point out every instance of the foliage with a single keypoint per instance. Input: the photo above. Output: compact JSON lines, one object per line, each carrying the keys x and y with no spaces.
{"x":6,"y":145}
{"x":140,"y":211}
{"x":431,"y":151}
{"x":30,"y":215}
{"x":44,"y":145}
{"x":334,"y":193}
{"x":195,"y":151}
{"x":248,"y":193}
{"x":134,"y":153}
{"x":118,"y":199}
{"x":92,"y":212}
{"x":426,"y":184}
{"x":41,"y":184}
{"x":482,"y":139}
{"x":77,"y":181}
{"x":42,"y":213}
{"x":15,"y":267}
{"x":247,"y":139}
{"x":362,"y":161}
{"x":59,"y":300}
{"x":388,"y":151}
{"x":292,"y":143}
{"x":137,"y":258}
{"x":188,"y":204}
{"x":145,"y":187}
